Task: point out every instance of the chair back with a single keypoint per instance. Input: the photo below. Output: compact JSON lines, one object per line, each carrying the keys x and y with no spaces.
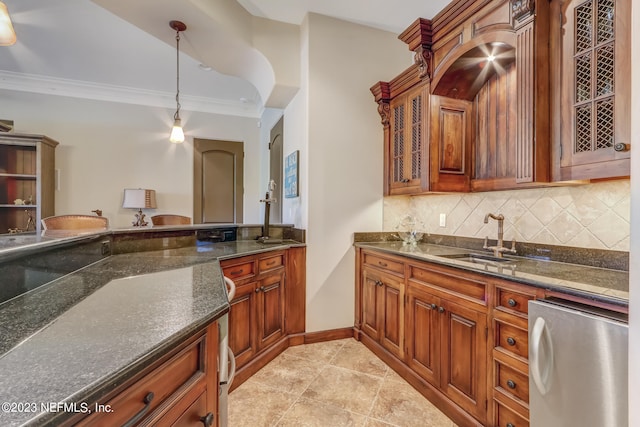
{"x":170,"y":220}
{"x":75,"y":222}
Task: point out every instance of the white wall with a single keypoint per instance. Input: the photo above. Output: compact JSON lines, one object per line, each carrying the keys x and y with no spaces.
{"x":634,"y":251}
{"x":344,"y":156}
{"x":106,"y":147}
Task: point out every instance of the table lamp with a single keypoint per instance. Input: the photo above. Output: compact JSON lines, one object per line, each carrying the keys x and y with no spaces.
{"x":138,"y":198}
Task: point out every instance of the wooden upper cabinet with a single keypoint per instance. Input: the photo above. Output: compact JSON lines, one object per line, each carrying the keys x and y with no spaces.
{"x":591,"y":66}
{"x":407,"y":171}
{"x":403,"y":104}
{"x":450,"y":145}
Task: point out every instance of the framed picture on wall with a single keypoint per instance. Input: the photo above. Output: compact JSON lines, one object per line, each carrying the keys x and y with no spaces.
{"x":291,"y":175}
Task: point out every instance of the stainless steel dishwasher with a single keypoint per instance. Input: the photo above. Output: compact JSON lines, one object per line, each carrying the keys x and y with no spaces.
{"x":578,"y":374}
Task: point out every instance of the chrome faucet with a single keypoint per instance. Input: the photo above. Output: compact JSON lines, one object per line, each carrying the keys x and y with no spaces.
{"x":498,"y":249}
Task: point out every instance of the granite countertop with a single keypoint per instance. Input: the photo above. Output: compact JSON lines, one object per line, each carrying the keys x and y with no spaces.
{"x":606,"y":285}
{"x":77,"y":337}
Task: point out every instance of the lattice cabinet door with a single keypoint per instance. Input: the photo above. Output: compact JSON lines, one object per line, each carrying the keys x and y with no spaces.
{"x":408,"y":130}
{"x":594,"y":74}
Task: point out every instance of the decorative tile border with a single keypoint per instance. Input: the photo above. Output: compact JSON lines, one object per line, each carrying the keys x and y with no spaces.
{"x":595,"y":216}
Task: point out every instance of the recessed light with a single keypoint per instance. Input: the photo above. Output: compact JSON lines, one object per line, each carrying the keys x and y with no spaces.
{"x":491,"y":58}
{"x":205,"y":67}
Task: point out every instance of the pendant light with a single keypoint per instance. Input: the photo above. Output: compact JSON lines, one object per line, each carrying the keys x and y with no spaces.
{"x":7,"y":33}
{"x":177,"y":134}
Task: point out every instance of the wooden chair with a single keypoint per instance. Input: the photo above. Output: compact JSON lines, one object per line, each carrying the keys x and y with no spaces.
{"x":75,"y":222}
{"x":170,"y":220}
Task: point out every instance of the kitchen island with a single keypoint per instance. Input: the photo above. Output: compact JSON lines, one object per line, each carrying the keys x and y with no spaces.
{"x":69,"y":342}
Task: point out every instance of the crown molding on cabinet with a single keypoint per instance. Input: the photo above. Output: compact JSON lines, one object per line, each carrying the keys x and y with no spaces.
{"x":127,"y":95}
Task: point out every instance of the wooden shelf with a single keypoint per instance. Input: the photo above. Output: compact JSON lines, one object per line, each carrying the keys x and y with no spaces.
{"x":11,"y":205}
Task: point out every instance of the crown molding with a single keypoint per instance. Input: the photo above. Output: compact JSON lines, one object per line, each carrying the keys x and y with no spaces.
{"x":111,"y":93}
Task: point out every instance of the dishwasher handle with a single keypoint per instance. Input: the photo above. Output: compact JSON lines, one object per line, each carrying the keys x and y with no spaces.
{"x":231,"y":288}
{"x":541,"y":356}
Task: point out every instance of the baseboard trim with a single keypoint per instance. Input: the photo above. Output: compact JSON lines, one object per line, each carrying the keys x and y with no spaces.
{"x":329,"y":335}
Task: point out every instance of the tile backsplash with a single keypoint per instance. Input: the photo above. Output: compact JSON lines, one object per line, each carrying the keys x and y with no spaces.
{"x":589,"y":216}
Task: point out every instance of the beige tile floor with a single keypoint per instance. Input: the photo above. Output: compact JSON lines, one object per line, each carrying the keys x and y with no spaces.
{"x":331,"y":384}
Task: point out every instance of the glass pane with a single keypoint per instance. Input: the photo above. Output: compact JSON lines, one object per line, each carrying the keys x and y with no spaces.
{"x":605,"y":70}
{"x":604,"y":123}
{"x":605,"y":20}
{"x":584,"y":23}
{"x":416,"y":136}
{"x":583,"y":77}
{"x":583,"y":128}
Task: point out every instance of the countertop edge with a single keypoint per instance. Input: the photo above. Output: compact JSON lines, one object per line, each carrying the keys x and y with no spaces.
{"x":599,"y":297}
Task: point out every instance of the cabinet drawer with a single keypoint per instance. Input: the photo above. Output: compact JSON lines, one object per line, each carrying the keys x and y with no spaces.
{"x":239,"y":271}
{"x":381,"y":262}
{"x":153,"y":389}
{"x":512,"y":381}
{"x":511,"y":300}
{"x":512,"y":339}
{"x":270,"y":263}
{"x":509,"y":418}
{"x":450,"y":281}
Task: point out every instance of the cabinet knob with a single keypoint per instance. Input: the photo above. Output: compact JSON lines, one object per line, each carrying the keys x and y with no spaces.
{"x":510,"y":425}
{"x":511,"y":341}
{"x":621,"y":146}
{"x":260,"y":289}
{"x":207,"y":420}
{"x":434,"y":306}
{"x":511,"y":384}
{"x":512,"y":302}
{"x":405,"y":180}
{"x":441,"y":309}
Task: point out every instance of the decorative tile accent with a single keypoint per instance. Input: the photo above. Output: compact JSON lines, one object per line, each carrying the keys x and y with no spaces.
{"x":591,"y":216}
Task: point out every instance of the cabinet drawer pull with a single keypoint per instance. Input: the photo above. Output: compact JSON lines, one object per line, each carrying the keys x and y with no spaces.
{"x":510,"y":425}
{"x":511,"y":384}
{"x":235,"y":272}
{"x":379,"y":283}
{"x":512,"y":302}
{"x":270,"y":263}
{"x":137,"y":417}
{"x":207,"y":420}
{"x":382,"y":264}
{"x":511,"y":341}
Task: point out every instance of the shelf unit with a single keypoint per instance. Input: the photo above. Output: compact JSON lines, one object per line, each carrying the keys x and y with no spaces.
{"x":27,"y":173}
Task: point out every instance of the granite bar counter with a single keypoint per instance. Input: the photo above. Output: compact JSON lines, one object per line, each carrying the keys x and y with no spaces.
{"x":83,"y":334}
{"x":599,"y":284}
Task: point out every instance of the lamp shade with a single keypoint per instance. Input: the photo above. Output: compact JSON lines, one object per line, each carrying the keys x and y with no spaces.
{"x":138,"y":198}
{"x":7,"y":34}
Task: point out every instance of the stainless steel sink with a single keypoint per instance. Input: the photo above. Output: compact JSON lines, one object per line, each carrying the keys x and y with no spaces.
{"x":479,"y":258}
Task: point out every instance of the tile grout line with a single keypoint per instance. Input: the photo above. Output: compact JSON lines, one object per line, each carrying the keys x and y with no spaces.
{"x":308,"y":385}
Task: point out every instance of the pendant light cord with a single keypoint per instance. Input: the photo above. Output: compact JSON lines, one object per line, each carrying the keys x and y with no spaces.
{"x":176,"y":116}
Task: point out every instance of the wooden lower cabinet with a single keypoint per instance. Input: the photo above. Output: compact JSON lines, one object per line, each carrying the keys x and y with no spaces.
{"x":446,"y":346}
{"x":383,"y":309}
{"x":256,"y":317}
{"x":268,"y":307}
{"x":180,"y":390}
{"x":436,"y":334}
{"x":509,"y":351}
